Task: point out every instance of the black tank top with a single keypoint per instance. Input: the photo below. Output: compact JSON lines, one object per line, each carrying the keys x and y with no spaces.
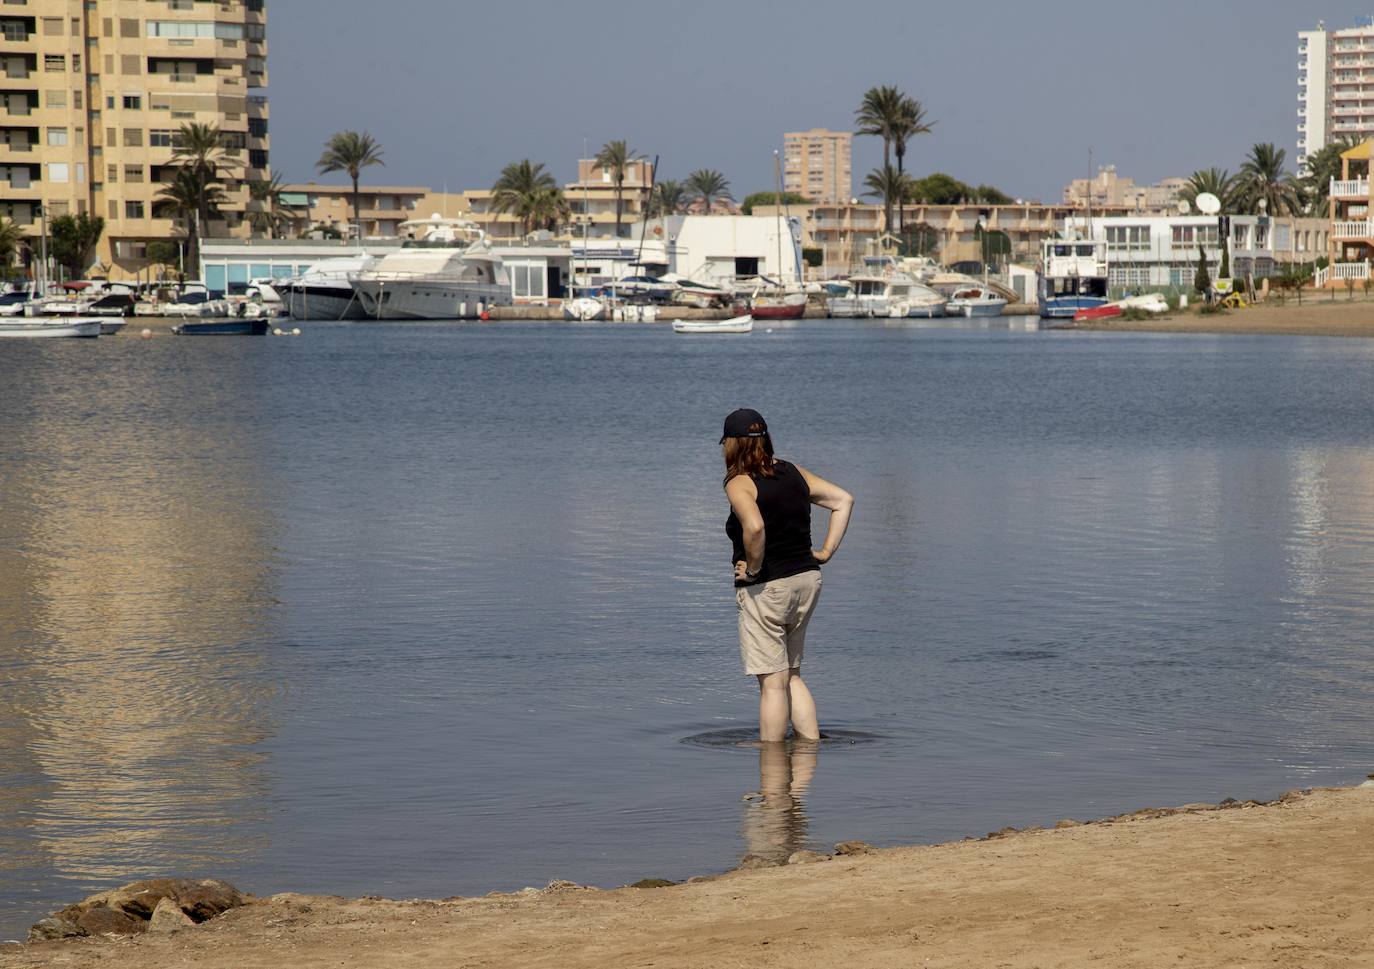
{"x":785,"y":503}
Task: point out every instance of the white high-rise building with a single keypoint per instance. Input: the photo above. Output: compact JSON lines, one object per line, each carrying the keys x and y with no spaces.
{"x":1335,"y":81}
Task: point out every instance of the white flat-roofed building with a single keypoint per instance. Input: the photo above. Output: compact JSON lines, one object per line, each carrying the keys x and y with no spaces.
{"x":1158,"y":252}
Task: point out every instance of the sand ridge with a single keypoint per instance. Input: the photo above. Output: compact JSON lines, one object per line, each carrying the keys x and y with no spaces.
{"x":1319,"y":315}
{"x":1282,"y":884}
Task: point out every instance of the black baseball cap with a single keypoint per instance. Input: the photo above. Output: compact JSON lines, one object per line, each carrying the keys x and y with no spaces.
{"x":737,"y":424}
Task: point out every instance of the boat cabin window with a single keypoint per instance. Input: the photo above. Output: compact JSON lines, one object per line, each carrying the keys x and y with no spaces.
{"x":1085,"y":250}
{"x":1063,"y":250}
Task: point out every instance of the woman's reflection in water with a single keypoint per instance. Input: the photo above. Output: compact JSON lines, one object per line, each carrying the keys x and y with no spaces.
{"x":775,"y":817}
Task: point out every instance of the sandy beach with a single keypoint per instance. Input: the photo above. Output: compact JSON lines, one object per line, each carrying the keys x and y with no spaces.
{"x":1318,"y":315}
{"x":1240,"y":884}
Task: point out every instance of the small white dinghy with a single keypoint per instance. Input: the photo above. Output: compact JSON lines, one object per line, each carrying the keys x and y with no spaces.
{"x":30,"y":327}
{"x":736,"y":324}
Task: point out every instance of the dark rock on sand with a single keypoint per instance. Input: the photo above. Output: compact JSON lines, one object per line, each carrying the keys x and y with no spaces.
{"x":806,"y":857}
{"x":1068,"y":823}
{"x":652,"y":883}
{"x":101,"y":919}
{"x":128,"y":910}
{"x":168,"y":917}
{"x":853,"y":848}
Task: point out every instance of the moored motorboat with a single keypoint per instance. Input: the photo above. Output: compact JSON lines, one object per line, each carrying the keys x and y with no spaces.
{"x":584,"y":309}
{"x":778,"y":305}
{"x":324,"y":291}
{"x":1105,"y":311}
{"x":109,"y":327}
{"x":736,"y":324}
{"x":1073,"y":277}
{"x":29,"y":327}
{"x":971,"y":301}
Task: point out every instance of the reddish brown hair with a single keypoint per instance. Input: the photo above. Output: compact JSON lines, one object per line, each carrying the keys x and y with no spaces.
{"x":749,"y":455}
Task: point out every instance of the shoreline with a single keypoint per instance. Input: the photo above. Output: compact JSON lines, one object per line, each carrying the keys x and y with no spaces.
{"x":1279,"y":882}
{"x":1317,"y":316}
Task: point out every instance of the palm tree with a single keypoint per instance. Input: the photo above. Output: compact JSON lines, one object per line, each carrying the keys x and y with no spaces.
{"x":1323,"y":165}
{"x":880,"y":114}
{"x":707,"y":186}
{"x":1262,"y":179}
{"x":669,"y":198}
{"x":910,"y":122}
{"x":199,"y":147}
{"x":351,"y":152}
{"x":615,"y":157}
{"x":548,"y":208}
{"x":189,"y":196}
{"x":1214,"y":181}
{"x":889,"y":185}
{"x":272,"y":215}
{"x":525,"y":190}
{"x":10,"y":239}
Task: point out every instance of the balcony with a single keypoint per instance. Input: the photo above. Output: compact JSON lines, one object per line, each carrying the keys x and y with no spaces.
{"x":1353,"y":230}
{"x":1357,"y":188}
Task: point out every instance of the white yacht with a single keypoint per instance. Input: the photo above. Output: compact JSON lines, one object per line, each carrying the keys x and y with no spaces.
{"x":891,"y":295}
{"x":971,"y":301}
{"x":325,"y":290}
{"x":451,"y":274}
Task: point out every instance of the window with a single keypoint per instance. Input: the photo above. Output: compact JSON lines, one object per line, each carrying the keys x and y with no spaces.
{"x":133,"y":173}
{"x":76,"y":99}
{"x":110,"y":137}
{"x":57,"y":137}
{"x":76,"y":63}
{"x":52,"y":26}
{"x":112,"y":174}
{"x":1128,"y":238}
{"x":59,"y":172}
{"x":133,"y":137}
{"x":128,"y":27}
{"x":130,"y":64}
{"x":55,"y":99}
{"x":527,"y":280}
{"x":81,"y":173}
{"x":133,"y":210}
{"x":133,"y":102}
{"x":114,"y":209}
{"x":162,"y":138}
{"x":54,"y":63}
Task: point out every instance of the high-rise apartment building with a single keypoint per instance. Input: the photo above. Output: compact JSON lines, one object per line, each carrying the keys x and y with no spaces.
{"x":92,"y":94}
{"x":1335,"y":86}
{"x":816,"y":164}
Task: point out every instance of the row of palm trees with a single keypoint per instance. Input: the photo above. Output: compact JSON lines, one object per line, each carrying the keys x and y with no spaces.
{"x":528,"y":191}
{"x":887,"y":113}
{"x":1263,"y":182}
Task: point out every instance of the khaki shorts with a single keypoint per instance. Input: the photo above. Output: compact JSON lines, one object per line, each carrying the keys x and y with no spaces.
{"x":772,"y":621}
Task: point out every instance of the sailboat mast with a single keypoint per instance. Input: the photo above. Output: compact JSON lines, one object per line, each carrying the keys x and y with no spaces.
{"x":777,"y":197}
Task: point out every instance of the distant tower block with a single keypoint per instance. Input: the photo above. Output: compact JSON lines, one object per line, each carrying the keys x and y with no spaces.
{"x":816,"y":165}
{"x":1335,"y":68}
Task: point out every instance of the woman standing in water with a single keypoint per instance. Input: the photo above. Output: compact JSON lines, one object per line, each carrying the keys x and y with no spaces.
{"x":777,"y":573}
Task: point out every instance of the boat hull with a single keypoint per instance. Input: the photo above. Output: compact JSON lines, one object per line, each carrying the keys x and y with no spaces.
{"x":1097,"y":312}
{"x":327,"y":303}
{"x":427,"y":299}
{"x":1067,"y":307}
{"x":222,"y":328}
{"x":737,"y":324}
{"x":978,"y":310}
{"x":39,"y":329}
{"x":778,"y":312}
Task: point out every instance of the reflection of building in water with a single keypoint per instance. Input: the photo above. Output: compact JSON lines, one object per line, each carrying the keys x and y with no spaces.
{"x":137,"y":588}
{"x":775,"y":820}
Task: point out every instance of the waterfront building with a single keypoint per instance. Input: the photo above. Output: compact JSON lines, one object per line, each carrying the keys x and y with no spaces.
{"x":1335,"y":76}
{"x":590,"y":198}
{"x":1161,"y":251}
{"x":1110,"y":190}
{"x":838,"y":237}
{"x":92,"y":93}
{"x":1351,"y":231}
{"x":382,"y":208}
{"x":817,"y":165}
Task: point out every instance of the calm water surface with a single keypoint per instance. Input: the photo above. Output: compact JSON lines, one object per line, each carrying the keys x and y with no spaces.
{"x":429,"y":610}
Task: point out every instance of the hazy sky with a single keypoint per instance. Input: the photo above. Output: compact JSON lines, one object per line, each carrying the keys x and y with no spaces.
{"x":455,"y":89}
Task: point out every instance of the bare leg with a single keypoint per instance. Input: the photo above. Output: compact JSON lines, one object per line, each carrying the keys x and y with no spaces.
{"x":804,"y":722}
{"x":773,"y":705}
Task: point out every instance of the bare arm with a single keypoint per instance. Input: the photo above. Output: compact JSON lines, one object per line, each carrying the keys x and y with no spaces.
{"x":744,"y":499}
{"x":838,"y":502}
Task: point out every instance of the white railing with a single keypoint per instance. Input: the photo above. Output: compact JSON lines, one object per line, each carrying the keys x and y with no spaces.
{"x":1349,"y":270}
{"x":1354,"y":188}
{"x":1320,"y":276}
{"x":1353,"y":230}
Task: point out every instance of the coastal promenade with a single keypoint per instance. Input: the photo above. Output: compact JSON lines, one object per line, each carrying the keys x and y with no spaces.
{"x":1278,"y":884}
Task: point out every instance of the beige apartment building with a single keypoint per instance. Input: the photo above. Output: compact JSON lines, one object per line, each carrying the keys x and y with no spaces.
{"x":382,"y":208}
{"x":1110,"y":190}
{"x":92,"y":93}
{"x":591,"y":202}
{"x":816,"y":164}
